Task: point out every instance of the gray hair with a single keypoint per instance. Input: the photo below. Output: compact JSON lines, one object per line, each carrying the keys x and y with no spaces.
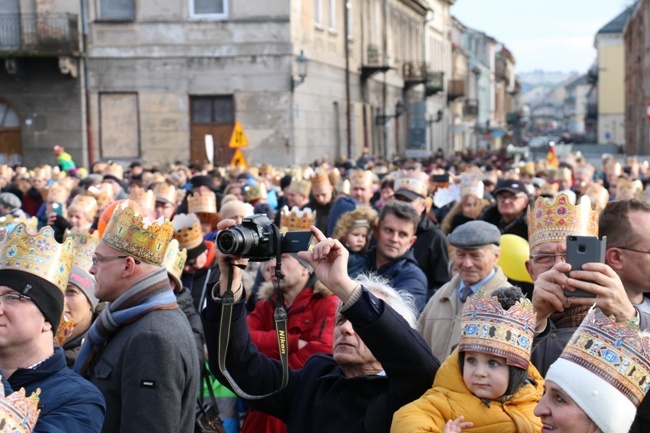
{"x":401,"y":301}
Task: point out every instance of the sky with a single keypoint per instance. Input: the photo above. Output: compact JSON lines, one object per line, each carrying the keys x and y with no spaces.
{"x":549,"y":35}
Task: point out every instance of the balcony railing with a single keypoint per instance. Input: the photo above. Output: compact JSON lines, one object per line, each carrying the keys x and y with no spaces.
{"x":471,"y":108}
{"x":39,"y":34}
{"x":456,"y":89}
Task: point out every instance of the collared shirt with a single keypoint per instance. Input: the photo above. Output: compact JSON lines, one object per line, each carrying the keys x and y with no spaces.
{"x":477,"y":285}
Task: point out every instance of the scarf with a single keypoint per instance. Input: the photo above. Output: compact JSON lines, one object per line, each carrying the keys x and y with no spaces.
{"x":149,"y":294}
{"x":571,"y":317}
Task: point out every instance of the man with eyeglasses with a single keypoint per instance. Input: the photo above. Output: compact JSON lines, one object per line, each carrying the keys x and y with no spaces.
{"x":140,"y":352}
{"x":32,"y":285}
{"x":509,"y":211}
{"x":558,"y":316}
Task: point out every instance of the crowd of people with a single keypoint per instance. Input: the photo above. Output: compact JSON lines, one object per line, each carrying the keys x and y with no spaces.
{"x":435,"y":296}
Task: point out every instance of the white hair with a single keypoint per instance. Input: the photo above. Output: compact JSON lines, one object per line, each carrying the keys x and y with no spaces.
{"x":401,"y":301}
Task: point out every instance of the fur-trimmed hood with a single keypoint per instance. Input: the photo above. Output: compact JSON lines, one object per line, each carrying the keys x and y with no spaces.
{"x":267,"y":289}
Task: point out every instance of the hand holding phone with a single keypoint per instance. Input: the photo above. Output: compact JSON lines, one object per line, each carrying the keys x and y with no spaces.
{"x":581,"y":250}
{"x":57,"y":208}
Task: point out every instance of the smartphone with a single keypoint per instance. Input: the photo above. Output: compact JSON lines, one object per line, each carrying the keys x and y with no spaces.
{"x":292,"y":242}
{"x":581,"y":250}
{"x":57,"y":208}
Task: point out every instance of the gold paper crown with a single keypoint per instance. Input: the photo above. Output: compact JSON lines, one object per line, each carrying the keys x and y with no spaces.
{"x":86,"y":203}
{"x":114,"y":169}
{"x":174,"y":261}
{"x":559,"y":173}
{"x":486,"y":327}
{"x":300,"y":186}
{"x":103,"y":194}
{"x":472,"y":187}
{"x":187,"y":230}
{"x":255,"y":192}
{"x":9,"y":221}
{"x":614,"y":351}
{"x":204,"y":201}
{"x":128,"y":232}
{"x":38,"y":254}
{"x":415,"y":181}
{"x":553,"y":219}
{"x":145,"y":199}
{"x":18,"y":412}
{"x":320,"y":176}
{"x":84,"y":244}
{"x":296,"y":219}
{"x":334,"y":176}
{"x":361,"y":177}
{"x":165,"y":192}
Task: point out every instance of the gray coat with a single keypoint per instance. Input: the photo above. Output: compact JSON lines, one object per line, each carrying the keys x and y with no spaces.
{"x":149,"y":375}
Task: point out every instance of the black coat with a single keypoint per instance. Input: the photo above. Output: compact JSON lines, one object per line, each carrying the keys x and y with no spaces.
{"x":518,"y":226}
{"x":430,"y":251}
{"x":319,"y":398}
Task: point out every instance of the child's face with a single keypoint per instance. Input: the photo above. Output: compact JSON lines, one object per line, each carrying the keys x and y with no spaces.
{"x":356,"y":240}
{"x":485,"y":375}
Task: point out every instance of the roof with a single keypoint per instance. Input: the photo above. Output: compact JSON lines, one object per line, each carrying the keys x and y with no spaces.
{"x":617,"y":25}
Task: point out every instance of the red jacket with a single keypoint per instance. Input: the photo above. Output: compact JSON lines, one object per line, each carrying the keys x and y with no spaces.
{"x":311,"y":318}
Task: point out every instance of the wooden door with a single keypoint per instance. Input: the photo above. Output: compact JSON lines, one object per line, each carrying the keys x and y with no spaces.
{"x":214,"y":115}
{"x":11,"y":151}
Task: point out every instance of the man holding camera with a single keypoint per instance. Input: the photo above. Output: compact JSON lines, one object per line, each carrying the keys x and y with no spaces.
{"x":311,"y":311}
{"x":356,"y":389}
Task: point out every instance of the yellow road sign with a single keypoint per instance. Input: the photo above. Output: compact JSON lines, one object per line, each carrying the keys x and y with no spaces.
{"x":238,"y":138}
{"x":238,"y":160}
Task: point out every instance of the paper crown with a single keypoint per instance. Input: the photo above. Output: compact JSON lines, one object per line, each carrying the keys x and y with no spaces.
{"x":319,"y":177}
{"x":128,"y":232}
{"x":174,"y":261}
{"x":415,"y":181}
{"x":204,"y":201}
{"x":84,"y":244}
{"x":296,"y":219}
{"x":560,"y":173}
{"x":255,"y":192}
{"x":8,"y":222}
{"x":165,"y":193}
{"x":86,"y":203}
{"x":613,"y":351}
{"x":145,"y":199}
{"x":549,"y":189}
{"x":361,"y":177}
{"x":114,"y":169}
{"x":486,"y":327}
{"x":103,"y":194}
{"x":38,"y":254}
{"x":300,"y":186}
{"x":18,"y":412}
{"x":42,"y":172}
{"x":553,"y":219}
{"x":473,"y":187}
{"x":187,"y":230}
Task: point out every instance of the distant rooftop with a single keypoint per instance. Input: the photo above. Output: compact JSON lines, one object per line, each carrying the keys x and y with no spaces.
{"x":617,"y":24}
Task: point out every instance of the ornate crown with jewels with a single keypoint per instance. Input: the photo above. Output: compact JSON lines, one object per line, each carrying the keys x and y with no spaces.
{"x":86,"y":203}
{"x":187,"y":230}
{"x":296,"y":219}
{"x":37,"y":253}
{"x":300,"y":186}
{"x":7,"y":222}
{"x":553,"y":219}
{"x":486,"y":327}
{"x":128,"y":232}
{"x":174,"y":261}
{"x":205,"y":202}
{"x":84,"y":242}
{"x":18,"y":412}
{"x":145,"y":199}
{"x":614,"y":351}
{"x":415,"y":181}
{"x":255,"y":192}
{"x":165,"y":192}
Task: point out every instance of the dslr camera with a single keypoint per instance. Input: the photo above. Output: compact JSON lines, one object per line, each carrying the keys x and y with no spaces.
{"x":258,"y":239}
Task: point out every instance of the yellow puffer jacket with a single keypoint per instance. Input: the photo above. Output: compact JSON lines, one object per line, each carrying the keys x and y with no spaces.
{"x":449,"y":398}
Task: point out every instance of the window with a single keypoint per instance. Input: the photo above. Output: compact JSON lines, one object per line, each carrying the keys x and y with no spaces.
{"x":332,"y":16}
{"x":348,"y":5}
{"x":119,"y":125}
{"x":117,"y":10}
{"x":211,"y":9}
{"x":8,"y":117}
{"x":318,"y":12}
{"x":213,"y":109}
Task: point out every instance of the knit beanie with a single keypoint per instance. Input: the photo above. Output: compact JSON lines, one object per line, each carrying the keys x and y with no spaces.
{"x":85,"y":282}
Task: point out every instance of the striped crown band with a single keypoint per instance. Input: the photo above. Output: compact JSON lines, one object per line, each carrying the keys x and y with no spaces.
{"x":486,"y":327}
{"x":553,"y":219}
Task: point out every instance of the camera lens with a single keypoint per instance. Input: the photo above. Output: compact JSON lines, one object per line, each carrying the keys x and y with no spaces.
{"x":237,"y":241}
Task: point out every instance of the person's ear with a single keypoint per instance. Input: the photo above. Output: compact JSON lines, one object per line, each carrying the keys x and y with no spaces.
{"x":614,"y":258}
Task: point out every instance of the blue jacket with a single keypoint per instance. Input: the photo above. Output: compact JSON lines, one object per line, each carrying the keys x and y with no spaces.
{"x":404,"y":273}
{"x":68,"y":404}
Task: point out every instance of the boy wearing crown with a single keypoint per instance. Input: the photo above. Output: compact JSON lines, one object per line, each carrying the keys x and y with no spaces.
{"x":488,"y":382}
{"x":140,"y":351}
{"x":34,"y":271}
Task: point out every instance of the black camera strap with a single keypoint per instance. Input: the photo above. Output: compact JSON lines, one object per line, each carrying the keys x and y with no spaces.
{"x":279,"y":315}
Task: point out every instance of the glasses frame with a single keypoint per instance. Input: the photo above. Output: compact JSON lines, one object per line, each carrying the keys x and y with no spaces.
{"x":99,"y":259}
{"x":554,"y":256}
{"x":20,"y":297}
{"x":632,"y":249}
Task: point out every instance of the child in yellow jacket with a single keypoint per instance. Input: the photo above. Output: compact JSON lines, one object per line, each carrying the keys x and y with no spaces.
{"x":488,"y":383}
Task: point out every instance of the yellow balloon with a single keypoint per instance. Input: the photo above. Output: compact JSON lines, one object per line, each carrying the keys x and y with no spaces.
{"x":514,"y":253}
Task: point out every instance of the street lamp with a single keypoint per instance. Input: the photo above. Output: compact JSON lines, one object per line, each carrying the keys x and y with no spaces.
{"x":382,"y":119}
{"x":302,"y":62}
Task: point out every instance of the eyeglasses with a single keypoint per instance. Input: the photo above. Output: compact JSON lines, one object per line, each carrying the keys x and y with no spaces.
{"x":547,"y":259}
{"x":100,"y":259}
{"x":11,"y":299}
{"x":632,"y":249}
